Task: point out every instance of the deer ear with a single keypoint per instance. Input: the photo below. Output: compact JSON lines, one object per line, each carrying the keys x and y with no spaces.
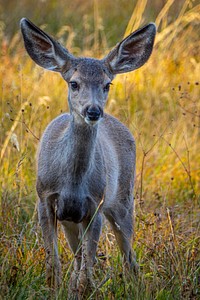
{"x":43,"y":49}
{"x":132,"y":52}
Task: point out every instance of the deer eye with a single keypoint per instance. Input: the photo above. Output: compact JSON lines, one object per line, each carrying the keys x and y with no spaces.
{"x":74,"y":85}
{"x":107,"y":87}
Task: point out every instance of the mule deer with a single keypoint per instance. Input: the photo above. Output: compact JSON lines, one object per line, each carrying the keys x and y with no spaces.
{"x":86,"y":159}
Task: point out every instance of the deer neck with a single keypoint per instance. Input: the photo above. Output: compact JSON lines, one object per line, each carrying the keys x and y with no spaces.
{"x":82,"y":139}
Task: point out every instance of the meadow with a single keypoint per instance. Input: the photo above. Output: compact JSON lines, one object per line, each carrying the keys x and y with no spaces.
{"x":160,"y":103}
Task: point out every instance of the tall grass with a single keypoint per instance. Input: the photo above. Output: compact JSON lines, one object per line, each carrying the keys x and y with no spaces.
{"x":160,"y":104}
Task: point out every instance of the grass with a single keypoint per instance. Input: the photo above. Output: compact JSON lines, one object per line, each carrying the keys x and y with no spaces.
{"x":160,"y":104}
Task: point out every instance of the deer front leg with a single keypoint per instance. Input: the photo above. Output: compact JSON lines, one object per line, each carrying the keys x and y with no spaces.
{"x":72,"y":233}
{"x":47,"y":219}
{"x":123,"y":230}
{"x":89,"y":245}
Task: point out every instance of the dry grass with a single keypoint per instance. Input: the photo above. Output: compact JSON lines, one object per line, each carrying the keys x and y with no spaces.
{"x":161,"y":105}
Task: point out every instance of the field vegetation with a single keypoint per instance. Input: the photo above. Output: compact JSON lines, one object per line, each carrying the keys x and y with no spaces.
{"x":160,"y":103}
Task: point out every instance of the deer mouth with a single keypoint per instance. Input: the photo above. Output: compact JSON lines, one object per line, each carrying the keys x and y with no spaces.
{"x":92,"y":114}
{"x":92,"y":122}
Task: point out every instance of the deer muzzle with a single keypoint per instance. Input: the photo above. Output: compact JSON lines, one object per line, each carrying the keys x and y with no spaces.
{"x":92,"y":114}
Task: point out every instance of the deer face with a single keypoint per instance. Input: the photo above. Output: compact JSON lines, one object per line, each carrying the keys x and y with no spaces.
{"x":89,"y":85}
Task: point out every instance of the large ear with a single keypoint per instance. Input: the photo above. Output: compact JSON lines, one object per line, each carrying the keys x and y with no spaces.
{"x":43,"y":49}
{"x":132,"y":52}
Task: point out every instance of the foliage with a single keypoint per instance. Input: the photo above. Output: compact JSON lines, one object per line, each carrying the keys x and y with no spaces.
{"x":159,"y":103}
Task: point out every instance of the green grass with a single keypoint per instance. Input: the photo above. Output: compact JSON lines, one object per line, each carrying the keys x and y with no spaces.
{"x":159,"y":103}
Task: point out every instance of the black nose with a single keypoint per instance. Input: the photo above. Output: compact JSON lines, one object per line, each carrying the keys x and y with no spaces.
{"x":93,"y":113}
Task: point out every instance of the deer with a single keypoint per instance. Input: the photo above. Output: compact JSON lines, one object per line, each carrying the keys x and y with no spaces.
{"x":86,"y":158}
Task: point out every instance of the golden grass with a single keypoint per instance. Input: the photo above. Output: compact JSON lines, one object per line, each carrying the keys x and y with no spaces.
{"x":160,"y":104}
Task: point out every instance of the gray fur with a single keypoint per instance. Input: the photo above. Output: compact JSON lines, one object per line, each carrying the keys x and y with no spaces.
{"x":86,"y":159}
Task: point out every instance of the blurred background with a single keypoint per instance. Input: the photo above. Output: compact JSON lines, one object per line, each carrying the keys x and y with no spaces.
{"x":83,"y":18}
{"x":160,"y":103}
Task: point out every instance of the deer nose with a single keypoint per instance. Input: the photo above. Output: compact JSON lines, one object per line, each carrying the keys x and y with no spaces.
{"x":93,"y":113}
